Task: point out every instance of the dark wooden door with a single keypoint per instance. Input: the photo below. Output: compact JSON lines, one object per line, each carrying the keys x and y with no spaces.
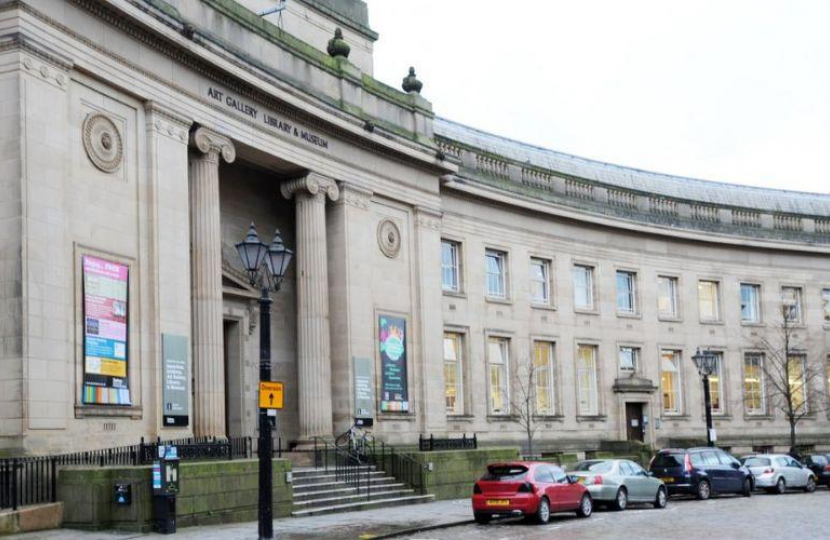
{"x":634,"y":421}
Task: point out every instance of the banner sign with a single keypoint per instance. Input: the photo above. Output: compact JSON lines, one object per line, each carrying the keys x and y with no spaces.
{"x":364,"y":396}
{"x":106,"y":323}
{"x":393,"y":385}
{"x":176,"y":381}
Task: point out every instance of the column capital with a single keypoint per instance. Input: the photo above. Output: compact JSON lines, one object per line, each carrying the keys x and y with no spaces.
{"x":210,"y":142}
{"x":313,"y":184}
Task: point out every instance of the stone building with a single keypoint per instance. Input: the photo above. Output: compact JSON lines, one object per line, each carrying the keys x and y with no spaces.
{"x":140,"y":138}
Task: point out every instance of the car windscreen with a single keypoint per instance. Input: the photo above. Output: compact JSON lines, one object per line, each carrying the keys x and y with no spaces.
{"x":505,"y":473}
{"x":819,"y":460}
{"x":668,"y":460}
{"x":756,"y":462}
{"x":594,"y":466}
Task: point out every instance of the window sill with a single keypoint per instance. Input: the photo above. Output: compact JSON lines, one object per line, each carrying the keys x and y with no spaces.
{"x":501,"y":418}
{"x":749,"y":417}
{"x":753,"y":324}
{"x":121,"y":411}
{"x":668,"y":417}
{"x":455,"y":294}
{"x":460,"y":418}
{"x":720,"y":417}
{"x":591,"y":418}
{"x":626,"y":315}
{"x":400,"y":417}
{"x":543,"y":307}
{"x":670,"y":319}
{"x":502,"y":301}
{"x":580,"y":311}
{"x":548,"y":418}
{"x":714,"y":323}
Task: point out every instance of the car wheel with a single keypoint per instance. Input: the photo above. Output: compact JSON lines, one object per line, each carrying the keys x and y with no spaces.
{"x":482,"y":519}
{"x":621,"y":500}
{"x":811,"y":485}
{"x":586,"y":507}
{"x":704,"y":490}
{"x":780,"y":486}
{"x":662,"y":498}
{"x":543,"y":513}
{"x":746,"y":491}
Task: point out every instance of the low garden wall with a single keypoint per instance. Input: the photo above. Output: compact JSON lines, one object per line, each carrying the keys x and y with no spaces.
{"x":453,"y":472}
{"x":210,"y":493}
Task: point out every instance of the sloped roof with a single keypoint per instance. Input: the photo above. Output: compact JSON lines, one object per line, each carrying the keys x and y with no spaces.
{"x":707,"y":191}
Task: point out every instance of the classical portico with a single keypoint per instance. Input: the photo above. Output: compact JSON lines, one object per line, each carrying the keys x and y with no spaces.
{"x":206,"y":254}
{"x":313,"y":338}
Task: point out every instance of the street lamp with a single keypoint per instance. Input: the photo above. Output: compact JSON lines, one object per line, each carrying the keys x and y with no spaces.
{"x":706,"y":362}
{"x":275,"y":259}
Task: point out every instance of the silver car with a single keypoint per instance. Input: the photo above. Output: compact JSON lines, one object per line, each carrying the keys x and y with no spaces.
{"x":618,"y":482}
{"x":778,"y":472}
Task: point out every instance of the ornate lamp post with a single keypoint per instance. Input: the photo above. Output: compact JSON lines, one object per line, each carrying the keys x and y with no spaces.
{"x":275,"y":258}
{"x":705,"y":362}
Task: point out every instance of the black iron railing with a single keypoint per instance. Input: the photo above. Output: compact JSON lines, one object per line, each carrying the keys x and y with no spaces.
{"x":428,"y":444}
{"x":398,"y":464}
{"x":348,"y":466}
{"x":33,"y":480}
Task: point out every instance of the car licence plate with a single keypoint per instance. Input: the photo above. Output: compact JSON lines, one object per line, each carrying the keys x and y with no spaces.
{"x":498,"y":502}
{"x":667,"y":480}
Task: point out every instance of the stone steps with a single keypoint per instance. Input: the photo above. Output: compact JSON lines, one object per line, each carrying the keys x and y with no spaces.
{"x":317,"y":492}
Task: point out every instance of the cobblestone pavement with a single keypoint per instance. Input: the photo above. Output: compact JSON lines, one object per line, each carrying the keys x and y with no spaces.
{"x":792,"y":516}
{"x":348,"y":526}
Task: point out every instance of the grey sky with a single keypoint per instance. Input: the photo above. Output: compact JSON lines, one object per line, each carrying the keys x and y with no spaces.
{"x":731,"y":90}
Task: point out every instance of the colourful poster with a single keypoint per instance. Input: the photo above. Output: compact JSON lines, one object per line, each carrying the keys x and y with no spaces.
{"x":394,"y":386}
{"x":106,"y":324}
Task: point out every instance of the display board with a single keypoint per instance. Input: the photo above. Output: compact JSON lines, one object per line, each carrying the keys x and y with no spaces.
{"x":106,"y":331}
{"x":394,"y":391}
{"x":176,"y":383}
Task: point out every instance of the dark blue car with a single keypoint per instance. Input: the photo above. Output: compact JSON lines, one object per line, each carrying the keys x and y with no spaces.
{"x":702,"y":472}
{"x":820,"y":465}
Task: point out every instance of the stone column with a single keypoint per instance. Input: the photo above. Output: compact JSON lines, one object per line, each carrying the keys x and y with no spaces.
{"x":206,"y":287}
{"x":313,"y":339}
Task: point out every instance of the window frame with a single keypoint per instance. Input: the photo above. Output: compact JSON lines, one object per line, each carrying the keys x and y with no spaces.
{"x":718,"y":317}
{"x":805,"y":389}
{"x":721,"y":381}
{"x":594,"y":384}
{"x":762,"y":390}
{"x":502,"y":256}
{"x":551,"y":377}
{"x":677,"y":354}
{"x":825,"y":305}
{"x":460,"y":402}
{"x":799,"y":320}
{"x":632,"y":294}
{"x":506,"y":386}
{"x":547,"y":267}
{"x":675,"y":299}
{"x":758,"y":303}
{"x":592,"y":286}
{"x":637,"y":354}
{"x":457,"y":245}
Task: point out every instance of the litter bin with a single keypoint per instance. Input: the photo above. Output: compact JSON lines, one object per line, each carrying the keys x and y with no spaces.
{"x":165,"y":488}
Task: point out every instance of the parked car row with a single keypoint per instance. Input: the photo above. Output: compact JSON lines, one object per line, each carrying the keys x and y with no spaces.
{"x":536,"y":490}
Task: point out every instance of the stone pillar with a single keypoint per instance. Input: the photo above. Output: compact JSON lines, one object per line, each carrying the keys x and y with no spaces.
{"x":313,"y":339}
{"x":206,"y":287}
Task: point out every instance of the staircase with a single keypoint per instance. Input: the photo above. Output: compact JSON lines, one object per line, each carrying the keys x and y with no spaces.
{"x":318,"y":491}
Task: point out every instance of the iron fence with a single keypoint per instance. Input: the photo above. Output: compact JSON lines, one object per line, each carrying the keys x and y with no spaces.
{"x":33,"y":480}
{"x":428,"y":444}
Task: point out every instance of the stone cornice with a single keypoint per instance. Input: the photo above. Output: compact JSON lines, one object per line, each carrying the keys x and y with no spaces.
{"x":209,"y":142}
{"x":313,"y":184}
{"x":168,"y":114}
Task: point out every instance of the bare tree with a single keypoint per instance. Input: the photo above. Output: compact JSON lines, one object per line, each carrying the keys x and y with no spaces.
{"x":788,"y":371}
{"x":523,"y":404}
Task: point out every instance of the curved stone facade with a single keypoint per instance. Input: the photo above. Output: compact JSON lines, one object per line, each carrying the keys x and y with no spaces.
{"x":434,"y":262}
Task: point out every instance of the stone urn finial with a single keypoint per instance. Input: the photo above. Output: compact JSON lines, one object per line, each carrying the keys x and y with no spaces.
{"x":411,"y":83}
{"x":338,"y":46}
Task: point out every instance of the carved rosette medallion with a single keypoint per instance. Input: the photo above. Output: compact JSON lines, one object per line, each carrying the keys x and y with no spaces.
{"x":389,"y":238}
{"x":102,"y":142}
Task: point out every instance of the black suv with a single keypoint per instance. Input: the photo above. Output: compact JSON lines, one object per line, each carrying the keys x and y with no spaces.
{"x":820,"y":465}
{"x":701,"y":472}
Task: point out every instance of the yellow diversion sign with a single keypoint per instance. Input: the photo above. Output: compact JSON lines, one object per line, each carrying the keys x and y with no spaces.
{"x":270,"y":395}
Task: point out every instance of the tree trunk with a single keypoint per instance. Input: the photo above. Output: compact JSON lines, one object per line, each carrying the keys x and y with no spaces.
{"x":792,"y":433}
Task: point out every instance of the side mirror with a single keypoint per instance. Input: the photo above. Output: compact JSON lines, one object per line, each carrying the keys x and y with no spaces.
{"x":572,"y":479}
{"x":736,"y":465}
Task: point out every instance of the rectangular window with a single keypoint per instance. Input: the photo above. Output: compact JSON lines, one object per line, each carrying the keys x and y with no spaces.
{"x":498,"y":361}
{"x":667,"y":301}
{"x":754,"y":384}
{"x":708,"y":300}
{"x":583,"y":287}
{"x":540,"y":281}
{"x":797,"y":383}
{"x":496,"y":282}
{"x":453,"y":373}
{"x":670,"y":381}
{"x":450,"y":279}
{"x":716,"y":386}
{"x":825,"y":304}
{"x":626,"y":292}
{"x":750,"y":303}
{"x":791,"y":298}
{"x":543,"y":362}
{"x":586,"y":380}
{"x":629,"y":359}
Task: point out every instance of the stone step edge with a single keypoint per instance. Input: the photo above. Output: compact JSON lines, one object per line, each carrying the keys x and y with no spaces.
{"x":372,"y":496}
{"x":308,"y":494}
{"x":374,"y":481}
{"x":339,"y":507}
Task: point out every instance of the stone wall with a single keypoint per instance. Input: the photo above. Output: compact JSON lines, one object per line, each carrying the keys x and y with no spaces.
{"x":211,"y":493}
{"x":454,"y":472}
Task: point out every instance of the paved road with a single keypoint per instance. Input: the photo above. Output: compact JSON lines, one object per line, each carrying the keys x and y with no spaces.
{"x":792,"y":516}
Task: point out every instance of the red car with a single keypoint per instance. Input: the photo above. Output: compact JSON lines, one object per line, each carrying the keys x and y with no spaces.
{"x":530,"y":489}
